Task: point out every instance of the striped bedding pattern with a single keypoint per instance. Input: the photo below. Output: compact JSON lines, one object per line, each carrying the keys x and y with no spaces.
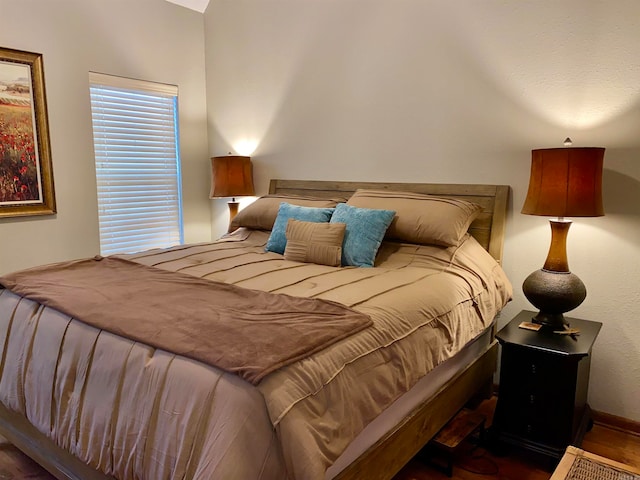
{"x":135,"y":412}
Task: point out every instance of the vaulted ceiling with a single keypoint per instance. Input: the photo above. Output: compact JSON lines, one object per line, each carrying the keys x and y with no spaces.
{"x":197,"y":5}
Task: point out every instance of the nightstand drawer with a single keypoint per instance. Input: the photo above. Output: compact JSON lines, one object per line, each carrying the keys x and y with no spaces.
{"x":530,"y":365}
{"x":542,"y":394}
{"x":529,"y":429}
{"x":540,"y":423}
{"x":533,"y":375}
{"x":533,"y":401}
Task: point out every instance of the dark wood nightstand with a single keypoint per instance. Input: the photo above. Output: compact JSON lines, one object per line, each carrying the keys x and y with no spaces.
{"x":544,"y":380}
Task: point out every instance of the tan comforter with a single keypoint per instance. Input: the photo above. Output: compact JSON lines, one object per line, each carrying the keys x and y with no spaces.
{"x":242,"y":331}
{"x":177,"y":418}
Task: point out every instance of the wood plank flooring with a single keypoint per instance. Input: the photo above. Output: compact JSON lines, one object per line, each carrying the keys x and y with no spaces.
{"x":473,"y":463}
{"x":14,"y":465}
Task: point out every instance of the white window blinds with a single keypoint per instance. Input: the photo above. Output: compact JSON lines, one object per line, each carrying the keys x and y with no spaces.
{"x":135,"y":136}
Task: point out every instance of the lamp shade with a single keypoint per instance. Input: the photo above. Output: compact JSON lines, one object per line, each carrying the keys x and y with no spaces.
{"x":232,"y":176}
{"x":565,"y":182}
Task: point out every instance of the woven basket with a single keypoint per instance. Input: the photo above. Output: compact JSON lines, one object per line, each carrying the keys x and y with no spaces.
{"x":576,"y":464}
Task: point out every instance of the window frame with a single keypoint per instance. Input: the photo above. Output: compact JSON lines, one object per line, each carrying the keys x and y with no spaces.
{"x":127,"y":142}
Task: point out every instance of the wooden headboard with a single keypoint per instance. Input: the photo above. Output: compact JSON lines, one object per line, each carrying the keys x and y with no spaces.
{"x":488,"y":228}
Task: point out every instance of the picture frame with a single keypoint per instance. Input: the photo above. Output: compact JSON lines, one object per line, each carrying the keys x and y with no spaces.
{"x":26,"y":173}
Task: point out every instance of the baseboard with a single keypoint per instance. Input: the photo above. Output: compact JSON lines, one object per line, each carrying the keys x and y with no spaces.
{"x":617,"y":423}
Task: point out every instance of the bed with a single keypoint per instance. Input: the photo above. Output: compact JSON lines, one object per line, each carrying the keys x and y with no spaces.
{"x":72,"y":428}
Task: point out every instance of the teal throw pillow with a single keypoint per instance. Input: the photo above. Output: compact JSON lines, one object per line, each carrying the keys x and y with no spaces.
{"x":278,"y":239}
{"x":364,"y":233}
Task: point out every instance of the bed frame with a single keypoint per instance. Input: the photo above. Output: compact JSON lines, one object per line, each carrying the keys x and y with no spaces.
{"x":386,"y":457}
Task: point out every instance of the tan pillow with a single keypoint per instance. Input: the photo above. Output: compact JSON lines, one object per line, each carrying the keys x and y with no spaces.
{"x":421,"y":219}
{"x":261,"y":214}
{"x":312,"y":242}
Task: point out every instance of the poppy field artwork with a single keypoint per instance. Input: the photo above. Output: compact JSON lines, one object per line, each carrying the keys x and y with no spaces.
{"x":18,"y":162}
{"x":26,"y":183}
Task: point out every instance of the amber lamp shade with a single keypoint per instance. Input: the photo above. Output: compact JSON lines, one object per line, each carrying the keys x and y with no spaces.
{"x":564,"y":182}
{"x":231,"y":176}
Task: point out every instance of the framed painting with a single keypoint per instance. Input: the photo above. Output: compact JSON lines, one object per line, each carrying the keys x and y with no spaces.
{"x":26,"y":176}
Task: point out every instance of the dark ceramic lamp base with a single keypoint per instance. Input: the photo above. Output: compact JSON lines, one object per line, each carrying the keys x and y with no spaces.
{"x":553,"y":293}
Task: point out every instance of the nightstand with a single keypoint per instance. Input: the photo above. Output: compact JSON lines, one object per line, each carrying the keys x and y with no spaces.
{"x":544,"y":380}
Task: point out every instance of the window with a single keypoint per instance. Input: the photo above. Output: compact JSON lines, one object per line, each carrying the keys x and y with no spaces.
{"x":135,"y":137}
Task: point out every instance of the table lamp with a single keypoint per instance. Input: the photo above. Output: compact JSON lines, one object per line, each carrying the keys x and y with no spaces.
{"x":231,"y":176}
{"x":564,"y":182}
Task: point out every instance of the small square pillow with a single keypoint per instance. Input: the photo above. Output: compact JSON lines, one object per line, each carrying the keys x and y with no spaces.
{"x":420,"y":218}
{"x":364,"y":233}
{"x":261,"y":214}
{"x":278,"y":239}
{"x":311,"y":242}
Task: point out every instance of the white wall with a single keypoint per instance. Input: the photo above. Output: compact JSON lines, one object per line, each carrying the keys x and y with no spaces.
{"x":461,"y":91}
{"x":146,"y":39}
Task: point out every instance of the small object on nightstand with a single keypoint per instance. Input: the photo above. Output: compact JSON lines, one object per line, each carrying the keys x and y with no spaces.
{"x":544,"y":382}
{"x":530,"y":326}
{"x":568,"y":331}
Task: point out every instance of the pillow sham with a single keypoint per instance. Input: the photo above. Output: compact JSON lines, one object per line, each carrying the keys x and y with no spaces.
{"x":311,"y":242}
{"x":261,"y":214}
{"x":278,"y":240}
{"x":420,"y":218}
{"x":365,"y":229}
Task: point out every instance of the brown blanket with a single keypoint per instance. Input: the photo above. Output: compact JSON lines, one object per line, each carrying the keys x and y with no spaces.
{"x":247,"y":332}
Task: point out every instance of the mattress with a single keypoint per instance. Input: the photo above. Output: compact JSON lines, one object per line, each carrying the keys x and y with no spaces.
{"x":176,"y":418}
{"x":424,"y":389}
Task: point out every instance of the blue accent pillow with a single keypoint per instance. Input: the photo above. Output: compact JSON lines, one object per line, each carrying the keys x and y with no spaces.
{"x":278,"y":239}
{"x":364,"y":233}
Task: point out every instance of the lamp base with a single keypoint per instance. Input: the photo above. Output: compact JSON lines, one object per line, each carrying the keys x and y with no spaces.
{"x":553,"y":293}
{"x":233,"y":211}
{"x":554,"y":321}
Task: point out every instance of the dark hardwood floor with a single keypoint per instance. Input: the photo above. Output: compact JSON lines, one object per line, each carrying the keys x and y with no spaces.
{"x":14,"y":465}
{"x":475,"y":463}
{"x":471,"y":463}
